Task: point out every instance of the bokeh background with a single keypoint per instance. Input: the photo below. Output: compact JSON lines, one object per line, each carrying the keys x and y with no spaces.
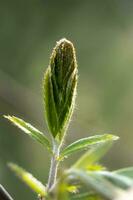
{"x":102,"y":32}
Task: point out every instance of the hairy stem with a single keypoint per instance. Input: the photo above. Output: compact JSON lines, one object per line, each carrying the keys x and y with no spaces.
{"x":52,"y":173}
{"x":53,"y":167}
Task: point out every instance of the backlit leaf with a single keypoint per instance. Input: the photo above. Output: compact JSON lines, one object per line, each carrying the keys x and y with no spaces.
{"x":100,"y":184}
{"x":86,"y":143}
{"x":116,"y":179}
{"x":28,"y":179}
{"x":30,"y":130}
{"x":59,"y":88}
{"x":92,"y":156}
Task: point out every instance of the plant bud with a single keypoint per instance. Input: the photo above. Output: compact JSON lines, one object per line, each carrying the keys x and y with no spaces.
{"x":59,"y":87}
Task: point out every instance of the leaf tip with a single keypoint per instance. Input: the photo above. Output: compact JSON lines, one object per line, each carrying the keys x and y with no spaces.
{"x":114,"y":137}
{"x":9,"y":117}
{"x":28,"y":179}
{"x":6,"y":116}
{"x":13,"y":167}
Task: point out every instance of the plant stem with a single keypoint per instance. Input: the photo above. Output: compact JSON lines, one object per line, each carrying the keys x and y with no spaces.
{"x":52,"y":173}
{"x":53,"y":167}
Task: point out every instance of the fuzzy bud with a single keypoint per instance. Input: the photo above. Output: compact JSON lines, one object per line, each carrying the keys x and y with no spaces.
{"x":59,"y":87}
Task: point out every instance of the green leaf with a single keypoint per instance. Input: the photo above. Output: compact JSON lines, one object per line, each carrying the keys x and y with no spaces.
{"x":86,"y":143}
{"x":59,"y":88}
{"x":127,"y":172}
{"x":96,"y":182}
{"x":92,"y":156}
{"x":28,"y":179}
{"x":116,"y":179}
{"x":30,"y":130}
{"x":86,"y":196}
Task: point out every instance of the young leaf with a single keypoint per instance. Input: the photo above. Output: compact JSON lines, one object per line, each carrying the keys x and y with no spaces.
{"x":86,"y":196}
{"x":116,"y":179}
{"x":59,"y":88}
{"x":30,"y":130}
{"x":92,"y":156}
{"x":98,"y":183}
{"x":86,"y":143}
{"x":28,"y":179}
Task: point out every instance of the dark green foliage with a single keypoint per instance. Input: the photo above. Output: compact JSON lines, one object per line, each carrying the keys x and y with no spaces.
{"x":60,"y":83}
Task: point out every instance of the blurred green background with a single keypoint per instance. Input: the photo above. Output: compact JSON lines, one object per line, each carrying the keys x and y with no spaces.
{"x":102,"y":32}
